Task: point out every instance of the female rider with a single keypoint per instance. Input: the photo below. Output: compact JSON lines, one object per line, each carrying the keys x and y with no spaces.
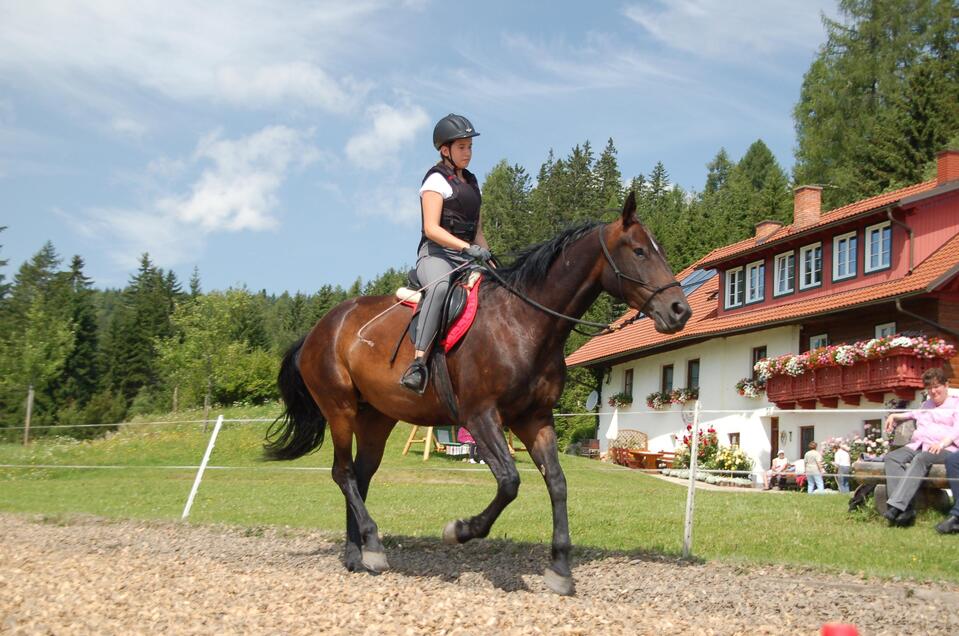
{"x":451,"y":232}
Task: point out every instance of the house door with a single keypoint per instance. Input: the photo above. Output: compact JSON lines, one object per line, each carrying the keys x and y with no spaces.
{"x":773,"y":437}
{"x":806,"y":435}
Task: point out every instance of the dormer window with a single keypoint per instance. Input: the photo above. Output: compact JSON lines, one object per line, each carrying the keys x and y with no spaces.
{"x":878,"y":247}
{"x":810,"y":266}
{"x":755,"y":282}
{"x":735,"y":289}
{"x":844,"y":256}
{"x":784,"y":267}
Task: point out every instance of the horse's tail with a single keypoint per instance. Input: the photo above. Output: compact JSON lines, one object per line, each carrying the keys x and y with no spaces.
{"x":300,"y":428}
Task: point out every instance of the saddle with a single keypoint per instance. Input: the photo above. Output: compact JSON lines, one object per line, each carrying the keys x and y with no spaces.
{"x":455,"y":322}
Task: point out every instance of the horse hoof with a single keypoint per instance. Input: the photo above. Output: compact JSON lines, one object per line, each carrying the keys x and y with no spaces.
{"x":375,"y":561}
{"x":562,"y":585}
{"x":449,"y":533}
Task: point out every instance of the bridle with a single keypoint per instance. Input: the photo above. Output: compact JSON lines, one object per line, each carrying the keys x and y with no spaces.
{"x":604,"y":327}
{"x":620,"y":276}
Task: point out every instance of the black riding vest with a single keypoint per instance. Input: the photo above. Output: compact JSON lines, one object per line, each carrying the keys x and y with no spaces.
{"x":460,"y":216}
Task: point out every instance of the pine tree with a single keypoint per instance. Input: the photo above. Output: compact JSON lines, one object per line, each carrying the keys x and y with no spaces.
{"x":80,"y":377}
{"x":608,"y":179}
{"x":195,"y":289}
{"x":507,"y":210}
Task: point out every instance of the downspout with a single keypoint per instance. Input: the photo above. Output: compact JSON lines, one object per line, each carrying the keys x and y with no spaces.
{"x":935,"y":324}
{"x":911,"y":235}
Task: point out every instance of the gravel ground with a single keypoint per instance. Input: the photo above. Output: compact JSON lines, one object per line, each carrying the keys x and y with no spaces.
{"x":84,"y":575}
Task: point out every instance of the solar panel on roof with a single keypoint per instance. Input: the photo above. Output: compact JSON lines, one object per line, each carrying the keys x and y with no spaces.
{"x":693,"y":282}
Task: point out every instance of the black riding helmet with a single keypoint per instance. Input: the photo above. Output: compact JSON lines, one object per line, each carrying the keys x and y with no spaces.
{"x":451,"y":128}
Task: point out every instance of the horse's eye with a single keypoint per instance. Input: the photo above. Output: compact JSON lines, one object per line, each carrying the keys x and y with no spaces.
{"x":639,"y":251}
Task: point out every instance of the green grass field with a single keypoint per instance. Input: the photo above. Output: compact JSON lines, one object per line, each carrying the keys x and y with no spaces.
{"x":610,"y":508}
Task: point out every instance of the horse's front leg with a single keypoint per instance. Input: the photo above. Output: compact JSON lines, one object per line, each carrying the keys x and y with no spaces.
{"x":539,"y":436}
{"x":488,"y":433}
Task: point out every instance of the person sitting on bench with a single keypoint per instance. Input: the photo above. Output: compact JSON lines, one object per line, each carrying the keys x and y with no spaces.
{"x":777,"y":472}
{"x":937,"y":429}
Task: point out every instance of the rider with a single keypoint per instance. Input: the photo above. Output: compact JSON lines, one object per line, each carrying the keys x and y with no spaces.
{"x":451,"y":232}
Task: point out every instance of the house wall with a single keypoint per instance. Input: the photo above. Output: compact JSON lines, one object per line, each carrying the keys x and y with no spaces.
{"x":723,"y":362}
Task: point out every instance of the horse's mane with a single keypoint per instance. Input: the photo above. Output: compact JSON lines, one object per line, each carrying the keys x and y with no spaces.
{"x":533,"y":263}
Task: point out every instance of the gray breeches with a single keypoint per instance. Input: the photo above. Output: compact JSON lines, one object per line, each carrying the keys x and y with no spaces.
{"x":429,"y":269}
{"x":905,"y":469}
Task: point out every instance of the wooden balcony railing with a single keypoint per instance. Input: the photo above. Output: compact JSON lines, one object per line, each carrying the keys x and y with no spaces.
{"x":899,"y":372}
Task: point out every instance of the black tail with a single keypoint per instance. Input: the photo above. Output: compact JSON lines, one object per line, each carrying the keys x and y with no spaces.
{"x":300,"y":429}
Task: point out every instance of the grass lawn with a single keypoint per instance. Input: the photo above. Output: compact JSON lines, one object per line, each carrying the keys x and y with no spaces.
{"x":610,"y":508}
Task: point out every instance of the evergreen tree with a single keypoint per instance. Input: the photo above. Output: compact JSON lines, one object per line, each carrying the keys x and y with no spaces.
{"x":4,"y":286}
{"x":507,"y":209}
{"x":80,"y":377}
{"x":608,"y":179}
{"x":881,"y":97}
{"x":195,"y":289}
{"x":718,"y":171}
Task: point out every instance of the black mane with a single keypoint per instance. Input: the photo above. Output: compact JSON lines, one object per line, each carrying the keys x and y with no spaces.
{"x":533,"y":263}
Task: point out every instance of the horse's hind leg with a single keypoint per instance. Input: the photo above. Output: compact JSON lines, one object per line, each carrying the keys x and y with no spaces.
{"x":372,"y":554}
{"x":487,"y":432}
{"x":372,"y":430}
{"x":539,"y":437}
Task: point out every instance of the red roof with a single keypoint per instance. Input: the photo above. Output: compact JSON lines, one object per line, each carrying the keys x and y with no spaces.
{"x":933,"y":272}
{"x":853,"y":209}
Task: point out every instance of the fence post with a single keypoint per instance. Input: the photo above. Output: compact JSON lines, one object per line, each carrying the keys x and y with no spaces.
{"x":691,"y":493}
{"x":202,"y":468}
{"x":26,"y":421}
{"x":176,"y":398}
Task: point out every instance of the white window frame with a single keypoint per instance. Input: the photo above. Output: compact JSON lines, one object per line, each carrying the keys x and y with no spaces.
{"x":802,"y":265}
{"x":751,"y":294}
{"x":777,"y":279}
{"x":731,"y":275}
{"x":819,"y":340}
{"x":867,"y":251}
{"x":886,"y":329}
{"x":835,"y":256}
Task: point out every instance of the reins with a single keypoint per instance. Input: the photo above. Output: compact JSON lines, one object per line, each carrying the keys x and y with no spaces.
{"x":604,"y":328}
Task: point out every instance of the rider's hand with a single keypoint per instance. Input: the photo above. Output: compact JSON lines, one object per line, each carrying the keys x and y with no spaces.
{"x":478,"y":252}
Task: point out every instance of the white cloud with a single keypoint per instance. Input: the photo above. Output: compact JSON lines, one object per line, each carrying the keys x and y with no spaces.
{"x":397,"y":204}
{"x":740,"y":30}
{"x":237,"y":189}
{"x":389,"y":129}
{"x":245,"y":52}
{"x":128,"y":127}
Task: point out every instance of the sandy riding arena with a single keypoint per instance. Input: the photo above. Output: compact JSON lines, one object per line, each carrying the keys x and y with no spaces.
{"x":84,"y":575}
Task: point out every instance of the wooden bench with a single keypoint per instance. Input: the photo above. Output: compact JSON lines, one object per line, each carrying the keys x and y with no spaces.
{"x":666,"y":460}
{"x":930,"y":495}
{"x":589,"y":448}
{"x":626,"y":441}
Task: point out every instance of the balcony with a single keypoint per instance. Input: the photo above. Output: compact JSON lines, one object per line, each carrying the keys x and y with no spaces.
{"x":899,"y":371}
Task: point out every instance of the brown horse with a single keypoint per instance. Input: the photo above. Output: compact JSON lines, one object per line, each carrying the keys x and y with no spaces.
{"x":508,"y":369}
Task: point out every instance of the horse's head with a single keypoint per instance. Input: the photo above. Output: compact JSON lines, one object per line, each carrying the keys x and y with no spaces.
{"x":636,"y":271}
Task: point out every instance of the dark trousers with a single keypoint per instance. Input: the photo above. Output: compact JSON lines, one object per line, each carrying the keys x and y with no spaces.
{"x":905,"y":470}
{"x":952,"y":473}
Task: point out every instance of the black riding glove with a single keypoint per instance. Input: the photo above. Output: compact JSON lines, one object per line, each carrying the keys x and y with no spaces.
{"x":478,"y":252}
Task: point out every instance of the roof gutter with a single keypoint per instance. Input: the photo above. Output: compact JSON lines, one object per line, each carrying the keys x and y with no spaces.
{"x":929,"y":321}
{"x":912,"y":250}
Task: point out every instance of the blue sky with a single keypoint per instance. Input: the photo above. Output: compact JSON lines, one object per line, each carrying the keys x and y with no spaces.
{"x":280,"y":144}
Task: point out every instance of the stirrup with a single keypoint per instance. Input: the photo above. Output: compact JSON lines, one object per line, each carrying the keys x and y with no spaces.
{"x":416,"y":377}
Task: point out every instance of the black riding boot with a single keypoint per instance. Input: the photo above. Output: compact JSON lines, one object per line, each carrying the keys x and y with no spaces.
{"x":416,"y":376}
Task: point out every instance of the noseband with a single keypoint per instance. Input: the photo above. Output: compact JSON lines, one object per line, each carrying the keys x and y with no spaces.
{"x":620,"y":276}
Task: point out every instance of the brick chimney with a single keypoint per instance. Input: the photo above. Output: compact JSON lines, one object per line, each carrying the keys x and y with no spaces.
{"x":807,"y":205}
{"x":766,"y":228}
{"x":948,"y":164}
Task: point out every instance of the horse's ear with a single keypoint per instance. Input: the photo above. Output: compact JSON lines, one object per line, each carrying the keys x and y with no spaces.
{"x":629,"y":210}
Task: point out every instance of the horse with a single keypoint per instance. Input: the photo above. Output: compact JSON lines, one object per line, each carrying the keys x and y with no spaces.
{"x":509,"y":369}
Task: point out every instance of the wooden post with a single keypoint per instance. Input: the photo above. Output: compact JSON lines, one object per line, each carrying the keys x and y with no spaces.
{"x":691,"y":493}
{"x":428,"y":440}
{"x":206,"y":403}
{"x":26,"y":421}
{"x":176,"y":396}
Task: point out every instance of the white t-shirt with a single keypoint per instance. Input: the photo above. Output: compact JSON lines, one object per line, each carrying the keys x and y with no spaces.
{"x":780,"y":463}
{"x":842,"y":458}
{"x":437,"y":183}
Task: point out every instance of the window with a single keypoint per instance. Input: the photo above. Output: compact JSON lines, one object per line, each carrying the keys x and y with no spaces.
{"x":886,"y":329}
{"x":734,"y":440}
{"x":810,"y":266}
{"x":785,"y":268}
{"x":692,"y":374}
{"x":758,"y":354}
{"x":815,"y":342}
{"x":628,"y":382}
{"x":878,"y":247}
{"x":844,"y":256}
{"x":755,"y":282}
{"x":667,"y":379}
{"x":735,"y":294}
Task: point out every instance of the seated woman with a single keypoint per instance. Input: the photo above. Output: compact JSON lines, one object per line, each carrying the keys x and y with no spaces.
{"x":777,"y":472}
